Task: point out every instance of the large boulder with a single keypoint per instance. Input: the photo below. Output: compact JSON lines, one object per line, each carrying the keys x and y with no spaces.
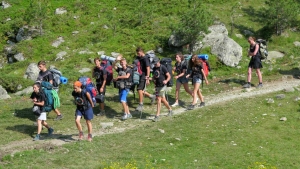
{"x":32,"y":72}
{"x":273,"y":55}
{"x":3,"y":94}
{"x":25,"y":91}
{"x":27,"y":33}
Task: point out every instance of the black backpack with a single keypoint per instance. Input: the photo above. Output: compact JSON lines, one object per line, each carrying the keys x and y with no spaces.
{"x":167,"y":62}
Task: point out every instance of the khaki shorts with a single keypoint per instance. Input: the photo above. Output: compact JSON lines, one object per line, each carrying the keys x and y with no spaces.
{"x":160,"y":91}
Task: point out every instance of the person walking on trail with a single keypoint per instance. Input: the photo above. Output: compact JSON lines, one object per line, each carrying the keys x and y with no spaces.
{"x":38,"y":99}
{"x":144,"y":78}
{"x":161,"y":76}
{"x":100,"y":75}
{"x":84,"y":107}
{"x":124,"y":81}
{"x":197,"y":74}
{"x":181,"y":70}
{"x":255,"y":63}
{"x":46,"y":75}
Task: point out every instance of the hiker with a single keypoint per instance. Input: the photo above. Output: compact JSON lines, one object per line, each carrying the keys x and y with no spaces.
{"x":144,"y":78}
{"x":100,"y":75}
{"x":84,"y":108}
{"x":181,"y":70}
{"x":161,"y":76}
{"x":124,"y":83}
{"x":197,"y":74}
{"x":38,"y":99}
{"x":46,"y":75}
{"x":255,"y":63}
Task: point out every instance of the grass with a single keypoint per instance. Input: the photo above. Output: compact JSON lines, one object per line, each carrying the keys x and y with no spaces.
{"x":237,"y":134}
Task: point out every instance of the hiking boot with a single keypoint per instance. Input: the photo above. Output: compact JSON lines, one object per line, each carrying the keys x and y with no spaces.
{"x":58,"y":117}
{"x":191,"y":107}
{"x":247,"y":85}
{"x":124,"y":117}
{"x":90,"y":137}
{"x":156,"y":119}
{"x":175,"y":104}
{"x":260,"y":85}
{"x":129,"y":116}
{"x":50,"y":131}
{"x":80,"y":136}
{"x":153,"y":98}
{"x":101,"y":113}
{"x":139,"y":108}
{"x":202,"y":104}
{"x":36,"y":138}
{"x":170,"y":113}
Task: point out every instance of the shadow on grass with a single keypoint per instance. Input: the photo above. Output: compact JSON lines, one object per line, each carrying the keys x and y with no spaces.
{"x":233,"y":80}
{"x":295,"y":72}
{"x":25,"y":113}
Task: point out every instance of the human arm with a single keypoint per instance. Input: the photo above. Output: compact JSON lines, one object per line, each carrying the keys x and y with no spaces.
{"x":88,"y":96}
{"x":203,"y":74}
{"x":255,"y":51}
{"x":168,"y":76}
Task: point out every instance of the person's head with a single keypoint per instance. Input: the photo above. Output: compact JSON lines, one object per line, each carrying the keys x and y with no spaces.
{"x":97,"y":62}
{"x":140,"y":52}
{"x":123,"y":63}
{"x":77,"y":86}
{"x":156,"y":62}
{"x":36,"y":87}
{"x":42,"y":65}
{"x":251,"y":40}
{"x":179,"y":57}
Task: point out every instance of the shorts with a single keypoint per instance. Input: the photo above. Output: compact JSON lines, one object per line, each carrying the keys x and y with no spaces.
{"x":196,"y":80}
{"x":160,"y":91}
{"x":98,"y":88}
{"x":255,"y":63}
{"x":142,"y":84}
{"x":87,"y":114}
{"x":123,"y":95}
{"x":43,"y":116}
{"x":182,"y":80}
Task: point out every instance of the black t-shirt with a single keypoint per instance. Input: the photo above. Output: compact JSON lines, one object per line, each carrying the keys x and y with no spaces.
{"x":128,"y":70}
{"x":81,"y":95}
{"x":39,"y":97}
{"x":45,"y":76}
{"x":144,"y":61}
{"x":102,"y":72}
{"x":197,"y":71}
{"x":159,"y":75}
{"x":179,"y":67}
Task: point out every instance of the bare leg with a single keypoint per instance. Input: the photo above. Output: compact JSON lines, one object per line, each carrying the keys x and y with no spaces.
{"x":196,"y":88}
{"x":158,"y":105}
{"x":249,"y":74}
{"x":259,"y":75}
{"x":77,"y":122}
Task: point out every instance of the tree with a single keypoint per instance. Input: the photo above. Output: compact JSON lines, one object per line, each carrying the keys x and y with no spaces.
{"x":192,"y":23}
{"x":282,"y":14}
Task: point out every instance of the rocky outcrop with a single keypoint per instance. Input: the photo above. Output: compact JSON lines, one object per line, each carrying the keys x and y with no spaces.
{"x":3,"y":94}
{"x":32,"y":72}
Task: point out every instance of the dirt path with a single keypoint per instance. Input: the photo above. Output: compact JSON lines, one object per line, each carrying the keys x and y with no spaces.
{"x":58,"y":140}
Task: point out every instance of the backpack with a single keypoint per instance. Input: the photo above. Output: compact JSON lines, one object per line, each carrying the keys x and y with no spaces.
{"x":56,"y":77}
{"x":47,"y":91}
{"x":205,"y":67}
{"x":107,"y":65}
{"x":262,"y":48}
{"x":137,"y":66}
{"x":88,"y":86}
{"x":167,"y":62}
{"x":151,"y":56}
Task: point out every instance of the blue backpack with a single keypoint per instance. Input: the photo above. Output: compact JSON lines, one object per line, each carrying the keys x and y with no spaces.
{"x":89,"y":86}
{"x":47,"y":90}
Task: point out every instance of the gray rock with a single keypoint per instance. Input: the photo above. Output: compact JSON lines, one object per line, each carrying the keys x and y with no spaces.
{"x":270,"y":100}
{"x":239,"y":35}
{"x":218,"y":28}
{"x":106,"y":125}
{"x":290,"y":89}
{"x":274,"y":55}
{"x":25,"y":91}
{"x":105,"y":27}
{"x":83,"y":70}
{"x":60,"y":11}
{"x":5,"y":5}
{"x":85,"y":52}
{"x":58,"y":41}
{"x":8,"y":19}
{"x":297,"y":99}
{"x":114,"y":54}
{"x":75,"y":32}
{"x":297,"y":43}
{"x":283,"y":119}
{"x":160,"y":50}
{"x":248,"y":33}
{"x":26,"y":33}
{"x":3,"y":94}
{"x":280,"y":96}
{"x":60,"y":55}
{"x":19,"y":57}
{"x":100,"y":53}
{"x":32,"y":72}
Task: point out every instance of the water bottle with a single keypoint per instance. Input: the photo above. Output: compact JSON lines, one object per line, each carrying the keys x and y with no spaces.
{"x":104,"y":57}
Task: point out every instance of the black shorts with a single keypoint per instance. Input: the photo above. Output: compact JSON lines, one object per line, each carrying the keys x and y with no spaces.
{"x":255,"y":63}
{"x":142,"y":84}
{"x":98,"y":88}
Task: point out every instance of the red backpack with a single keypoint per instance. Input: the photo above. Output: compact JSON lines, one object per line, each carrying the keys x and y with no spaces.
{"x":137,"y":66}
{"x":205,"y":67}
{"x":107,"y":65}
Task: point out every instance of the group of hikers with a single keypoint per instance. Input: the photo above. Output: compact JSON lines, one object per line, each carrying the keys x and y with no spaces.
{"x":160,"y":76}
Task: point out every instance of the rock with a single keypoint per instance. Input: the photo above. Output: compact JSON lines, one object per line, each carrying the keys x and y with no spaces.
{"x":100,"y":53}
{"x":239,"y":35}
{"x":60,"y":55}
{"x":274,"y":55}
{"x":218,"y":28}
{"x":76,"y":17}
{"x":297,"y":99}
{"x":297,"y":43}
{"x":60,"y":11}
{"x":25,"y":91}
{"x":177,"y":41}
{"x":32,"y":72}
{"x":270,"y":100}
{"x":83,"y":70}
{"x":161,"y":130}
{"x":115,"y":54}
{"x":3,"y":94}
{"x":75,"y":32}
{"x":105,"y":27}
{"x":58,"y":41}
{"x":85,"y":52}
{"x":280,"y":96}
{"x":106,"y":125}
{"x":248,"y":33}
{"x":160,"y":50}
{"x":283,"y":119}
{"x":26,"y":33}
{"x":19,"y":57}
{"x":8,"y":19}
{"x":5,"y":5}
{"x":290,"y":89}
